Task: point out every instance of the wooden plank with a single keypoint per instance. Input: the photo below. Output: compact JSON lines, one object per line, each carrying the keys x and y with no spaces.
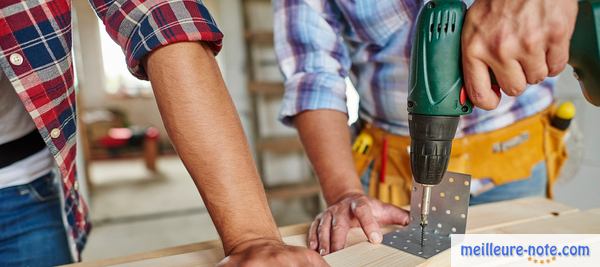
{"x":291,"y":230}
{"x":521,"y":210}
{"x":534,"y":213}
{"x":572,"y":223}
{"x":587,"y":222}
{"x":367,"y":254}
{"x":204,"y":258}
{"x":481,"y":218}
{"x":597,"y":211}
{"x":158,"y":254}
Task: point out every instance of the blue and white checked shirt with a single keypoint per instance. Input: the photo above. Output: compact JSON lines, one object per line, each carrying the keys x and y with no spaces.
{"x":321,"y":42}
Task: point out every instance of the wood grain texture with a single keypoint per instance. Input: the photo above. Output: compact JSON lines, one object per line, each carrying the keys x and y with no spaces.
{"x":597,"y":211}
{"x":533,"y":215}
{"x":587,"y":222}
{"x":513,"y":212}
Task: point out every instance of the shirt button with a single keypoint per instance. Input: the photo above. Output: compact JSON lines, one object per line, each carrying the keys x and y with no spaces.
{"x":55,"y":133}
{"x":16,"y":59}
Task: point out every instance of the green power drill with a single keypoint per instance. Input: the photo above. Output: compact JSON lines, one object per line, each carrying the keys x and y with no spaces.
{"x":437,"y":97}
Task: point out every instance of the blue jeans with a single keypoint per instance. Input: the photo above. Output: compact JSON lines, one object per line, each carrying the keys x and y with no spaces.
{"x":31,"y":226}
{"x":535,"y":185}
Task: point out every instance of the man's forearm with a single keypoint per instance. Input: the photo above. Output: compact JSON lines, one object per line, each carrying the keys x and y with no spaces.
{"x":205,"y":129}
{"x":326,"y":139}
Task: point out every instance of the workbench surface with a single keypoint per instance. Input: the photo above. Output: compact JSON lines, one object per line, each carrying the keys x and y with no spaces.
{"x":530,"y":215}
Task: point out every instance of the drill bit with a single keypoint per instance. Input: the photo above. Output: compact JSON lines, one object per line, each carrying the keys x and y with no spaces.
{"x":425,"y":203}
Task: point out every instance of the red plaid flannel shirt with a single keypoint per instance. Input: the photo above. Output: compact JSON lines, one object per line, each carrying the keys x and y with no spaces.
{"x":35,"y":55}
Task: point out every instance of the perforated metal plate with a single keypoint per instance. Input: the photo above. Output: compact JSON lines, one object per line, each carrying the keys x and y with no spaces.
{"x":448,"y":215}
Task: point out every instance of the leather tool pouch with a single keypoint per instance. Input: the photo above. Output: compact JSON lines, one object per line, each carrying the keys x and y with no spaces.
{"x":509,"y":154}
{"x":396,"y":184}
{"x":504,"y":155}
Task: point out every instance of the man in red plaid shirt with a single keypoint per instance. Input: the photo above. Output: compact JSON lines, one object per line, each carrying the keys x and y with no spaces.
{"x":43,"y":218}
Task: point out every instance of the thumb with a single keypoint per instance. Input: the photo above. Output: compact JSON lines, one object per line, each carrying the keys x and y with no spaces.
{"x":394,"y":215}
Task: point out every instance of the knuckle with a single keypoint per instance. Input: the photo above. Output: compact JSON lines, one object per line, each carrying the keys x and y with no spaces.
{"x":487,"y":104}
{"x":476,"y":96}
{"x":312,"y":235}
{"x":558,"y":31}
{"x":323,"y":241}
{"x":336,"y":247}
{"x":338,"y":227}
{"x":322,"y":229}
{"x":370,"y":223}
{"x":510,"y":91}
{"x":514,"y":90}
{"x":473,"y":49}
{"x":357,"y":204}
{"x":538,"y":76}
{"x":556,"y":69}
{"x":362,"y":210}
{"x":531,"y":43}
{"x":359,"y":212}
{"x":501,"y":43}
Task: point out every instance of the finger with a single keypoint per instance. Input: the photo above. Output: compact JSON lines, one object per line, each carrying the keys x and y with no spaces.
{"x":510,"y":77}
{"x":394,"y":215}
{"x":361,"y":209}
{"x":312,"y":234}
{"x":339,"y":232}
{"x":478,"y":84}
{"x":557,"y":58}
{"x":324,"y":229}
{"x":535,"y":66}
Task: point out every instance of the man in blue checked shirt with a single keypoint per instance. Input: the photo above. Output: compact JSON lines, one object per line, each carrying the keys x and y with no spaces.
{"x":505,"y":144}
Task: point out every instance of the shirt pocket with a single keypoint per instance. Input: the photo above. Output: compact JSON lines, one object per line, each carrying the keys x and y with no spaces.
{"x":375,"y":21}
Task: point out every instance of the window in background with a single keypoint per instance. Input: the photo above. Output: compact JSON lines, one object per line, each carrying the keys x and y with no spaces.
{"x":118,"y":80}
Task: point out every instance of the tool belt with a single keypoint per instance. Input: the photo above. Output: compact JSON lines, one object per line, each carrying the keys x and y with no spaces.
{"x":504,"y":155}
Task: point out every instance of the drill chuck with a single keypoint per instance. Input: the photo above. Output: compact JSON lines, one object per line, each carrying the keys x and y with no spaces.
{"x":431,"y":144}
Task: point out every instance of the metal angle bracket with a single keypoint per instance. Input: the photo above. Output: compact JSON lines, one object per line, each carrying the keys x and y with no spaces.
{"x":448,"y":215}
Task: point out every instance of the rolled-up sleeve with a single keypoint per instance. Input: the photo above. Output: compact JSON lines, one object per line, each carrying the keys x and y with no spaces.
{"x":312,"y":56}
{"x":140,"y":26}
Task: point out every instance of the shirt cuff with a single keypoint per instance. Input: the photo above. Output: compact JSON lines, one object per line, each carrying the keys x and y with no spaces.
{"x":312,"y":91}
{"x":167,"y":23}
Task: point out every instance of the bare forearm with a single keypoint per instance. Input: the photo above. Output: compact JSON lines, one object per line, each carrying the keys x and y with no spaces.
{"x":326,"y":138}
{"x":204,"y":127}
